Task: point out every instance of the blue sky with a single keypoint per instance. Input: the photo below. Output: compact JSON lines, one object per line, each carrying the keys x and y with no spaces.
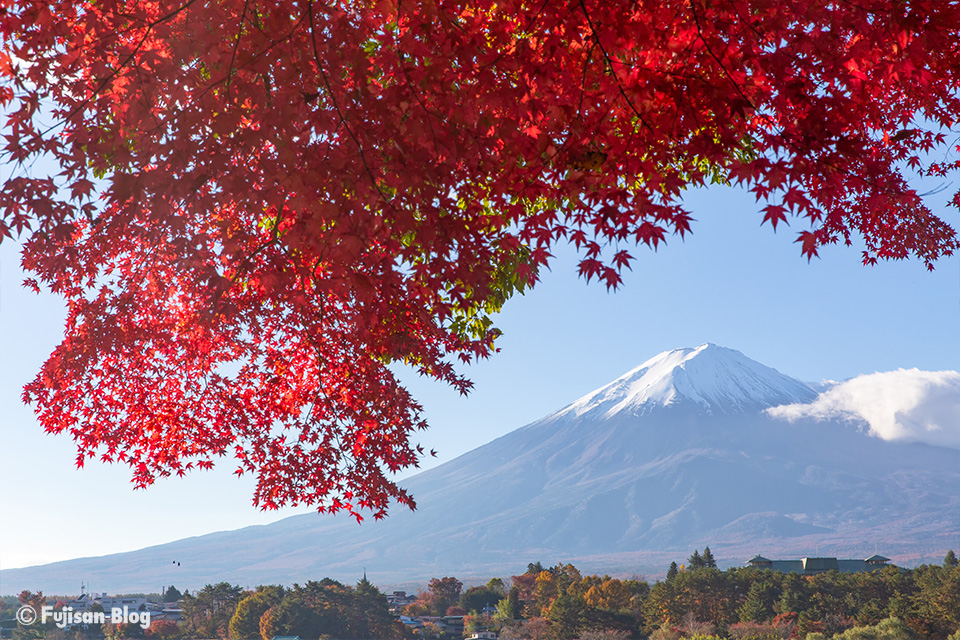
{"x":732,"y":282}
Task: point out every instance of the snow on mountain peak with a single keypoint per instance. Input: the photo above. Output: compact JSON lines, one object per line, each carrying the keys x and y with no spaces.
{"x":714,"y":379}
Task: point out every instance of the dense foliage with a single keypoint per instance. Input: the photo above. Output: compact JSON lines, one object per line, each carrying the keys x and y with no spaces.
{"x":258,"y":206}
{"x":558,"y":603}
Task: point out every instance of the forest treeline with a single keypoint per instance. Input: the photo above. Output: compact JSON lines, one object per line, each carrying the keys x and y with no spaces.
{"x":696,"y":601}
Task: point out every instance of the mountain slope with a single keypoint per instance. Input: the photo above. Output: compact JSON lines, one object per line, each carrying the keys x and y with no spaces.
{"x":674,"y":454}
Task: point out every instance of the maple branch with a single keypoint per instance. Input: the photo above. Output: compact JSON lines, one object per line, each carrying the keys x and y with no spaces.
{"x":241,"y":269}
{"x":687,"y":78}
{"x":583,"y":79}
{"x":513,"y":49}
{"x":113,"y":74}
{"x":762,"y":37}
{"x":416,"y":94}
{"x":225,"y":79}
{"x":865,"y":9}
{"x":610,"y":65}
{"x":236,"y":45}
{"x":706,"y":45}
{"x":336,"y":105}
{"x":938,"y":189}
{"x":739,"y":90}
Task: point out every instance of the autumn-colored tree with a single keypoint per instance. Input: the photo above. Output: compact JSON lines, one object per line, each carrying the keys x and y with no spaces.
{"x":445,"y":592}
{"x":164,"y":630}
{"x":441,"y":594}
{"x":530,"y":629}
{"x":525,"y":586}
{"x":270,"y":623}
{"x":705,"y":595}
{"x":610,"y":593}
{"x":30,"y":626}
{"x":309,"y":611}
{"x":35,"y":601}
{"x":258,"y":206}
{"x":546,"y":590}
{"x":121,"y":630}
{"x":567,"y":576}
{"x":431,"y":629}
{"x":245,"y":622}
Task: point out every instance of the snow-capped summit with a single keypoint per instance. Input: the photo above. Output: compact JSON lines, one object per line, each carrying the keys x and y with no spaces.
{"x":713,"y":379}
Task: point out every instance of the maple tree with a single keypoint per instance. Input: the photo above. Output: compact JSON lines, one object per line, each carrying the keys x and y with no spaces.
{"x":261,"y":205}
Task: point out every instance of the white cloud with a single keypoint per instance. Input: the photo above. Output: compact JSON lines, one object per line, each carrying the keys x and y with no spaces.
{"x":906,"y":404}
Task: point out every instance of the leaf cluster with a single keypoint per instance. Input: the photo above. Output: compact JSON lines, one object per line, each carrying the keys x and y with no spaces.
{"x":258,"y":206}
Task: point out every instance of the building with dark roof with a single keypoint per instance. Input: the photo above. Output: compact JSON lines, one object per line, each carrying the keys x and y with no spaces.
{"x":812,"y":566}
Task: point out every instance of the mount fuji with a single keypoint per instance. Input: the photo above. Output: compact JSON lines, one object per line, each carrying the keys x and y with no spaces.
{"x":680,"y":452}
{"x":710,"y":379}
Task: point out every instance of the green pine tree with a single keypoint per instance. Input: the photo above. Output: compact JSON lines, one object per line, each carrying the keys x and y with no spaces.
{"x":672,"y":571}
{"x":371,"y":613}
{"x":789,"y":602}
{"x":172,"y":594}
{"x":566,"y":616}
{"x":754,"y":609}
{"x":708,"y":560}
{"x":950,"y":560}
